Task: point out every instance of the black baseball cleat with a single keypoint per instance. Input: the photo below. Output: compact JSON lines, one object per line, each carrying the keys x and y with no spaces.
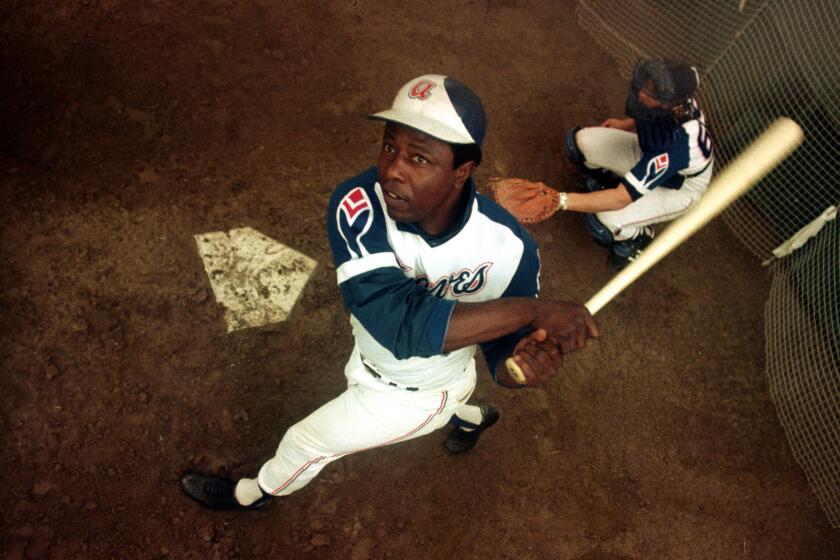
{"x":459,"y":441}
{"x":216,"y":492}
{"x":625,"y":252}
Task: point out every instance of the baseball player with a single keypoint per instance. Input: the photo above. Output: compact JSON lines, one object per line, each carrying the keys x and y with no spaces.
{"x":429,"y":270}
{"x":647,"y":168}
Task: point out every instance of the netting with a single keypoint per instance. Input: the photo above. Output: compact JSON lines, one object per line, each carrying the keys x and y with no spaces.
{"x":802,"y":326}
{"x":759,"y":60}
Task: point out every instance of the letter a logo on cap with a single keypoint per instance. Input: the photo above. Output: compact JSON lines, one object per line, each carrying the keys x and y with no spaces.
{"x":422,"y":90}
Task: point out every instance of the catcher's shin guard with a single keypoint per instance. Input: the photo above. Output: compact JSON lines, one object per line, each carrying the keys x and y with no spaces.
{"x":572,"y":149}
{"x":599,"y":232}
{"x":591,"y":184}
{"x":605,"y":178}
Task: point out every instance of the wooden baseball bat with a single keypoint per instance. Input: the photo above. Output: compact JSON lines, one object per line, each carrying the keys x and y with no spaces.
{"x":756,"y":161}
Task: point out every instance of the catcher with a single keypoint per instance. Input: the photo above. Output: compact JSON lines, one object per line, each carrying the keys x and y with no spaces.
{"x":646,"y":168}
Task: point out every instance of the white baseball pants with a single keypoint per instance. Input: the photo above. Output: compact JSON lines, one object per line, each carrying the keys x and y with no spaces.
{"x":618,"y":151}
{"x":369,"y":414}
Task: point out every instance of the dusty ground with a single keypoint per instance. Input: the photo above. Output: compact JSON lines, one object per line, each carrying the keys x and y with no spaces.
{"x":128,"y":127}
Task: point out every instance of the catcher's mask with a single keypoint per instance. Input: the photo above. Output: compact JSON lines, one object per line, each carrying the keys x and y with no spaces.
{"x":673,"y":84}
{"x":441,"y":107}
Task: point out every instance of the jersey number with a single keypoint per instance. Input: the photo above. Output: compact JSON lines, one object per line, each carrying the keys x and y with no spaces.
{"x":704,"y":140}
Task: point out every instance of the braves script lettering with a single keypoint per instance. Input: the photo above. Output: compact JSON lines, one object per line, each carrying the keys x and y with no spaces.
{"x":462,"y":283}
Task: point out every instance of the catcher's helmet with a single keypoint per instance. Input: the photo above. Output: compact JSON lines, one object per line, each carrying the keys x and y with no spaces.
{"x":673,"y":83}
{"x":440,"y":106}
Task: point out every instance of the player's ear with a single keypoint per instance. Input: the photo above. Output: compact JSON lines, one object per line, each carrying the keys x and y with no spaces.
{"x":463,"y":172}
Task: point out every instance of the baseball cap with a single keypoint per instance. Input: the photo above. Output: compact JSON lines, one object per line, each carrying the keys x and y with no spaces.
{"x":440,"y":106}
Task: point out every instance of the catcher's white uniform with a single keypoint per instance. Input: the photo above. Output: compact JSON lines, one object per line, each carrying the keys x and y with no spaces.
{"x":664,"y":173}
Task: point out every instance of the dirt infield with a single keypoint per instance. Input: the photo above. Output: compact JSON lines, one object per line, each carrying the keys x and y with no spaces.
{"x":129,"y":127}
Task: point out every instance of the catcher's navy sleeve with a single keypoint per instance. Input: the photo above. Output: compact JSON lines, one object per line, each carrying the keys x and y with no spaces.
{"x":525,"y":283}
{"x":402,"y":316}
{"x":665,"y":152}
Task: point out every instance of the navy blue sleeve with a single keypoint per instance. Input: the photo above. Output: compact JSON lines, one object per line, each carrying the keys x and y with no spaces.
{"x":659,"y":164}
{"x":402,"y":316}
{"x":525,"y":283}
{"x":355,"y":221}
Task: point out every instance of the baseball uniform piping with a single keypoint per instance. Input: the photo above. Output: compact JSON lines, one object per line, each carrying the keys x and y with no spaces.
{"x":296,"y":474}
{"x":302,"y":469}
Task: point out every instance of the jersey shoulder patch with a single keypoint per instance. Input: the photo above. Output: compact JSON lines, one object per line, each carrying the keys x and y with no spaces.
{"x":660,"y":163}
{"x":655,"y":169}
{"x":356,"y":224}
{"x":354,"y":204}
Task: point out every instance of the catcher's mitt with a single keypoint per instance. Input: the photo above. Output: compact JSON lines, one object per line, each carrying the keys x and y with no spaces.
{"x":529,"y":202}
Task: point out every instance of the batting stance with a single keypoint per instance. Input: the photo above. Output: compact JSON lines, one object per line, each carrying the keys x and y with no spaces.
{"x":429,"y":270}
{"x":649,"y":167}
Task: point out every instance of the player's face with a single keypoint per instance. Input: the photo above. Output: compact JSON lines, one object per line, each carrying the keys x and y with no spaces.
{"x":417,"y":179}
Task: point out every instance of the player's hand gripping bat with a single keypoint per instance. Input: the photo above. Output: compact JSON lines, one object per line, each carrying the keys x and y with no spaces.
{"x":756,"y":161}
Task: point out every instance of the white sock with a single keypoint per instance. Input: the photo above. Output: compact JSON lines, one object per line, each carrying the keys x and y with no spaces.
{"x":469,"y":413}
{"x":248,"y":491}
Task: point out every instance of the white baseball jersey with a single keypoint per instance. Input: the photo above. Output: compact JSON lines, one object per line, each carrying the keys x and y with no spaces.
{"x":671,"y":155}
{"x":400,"y":285}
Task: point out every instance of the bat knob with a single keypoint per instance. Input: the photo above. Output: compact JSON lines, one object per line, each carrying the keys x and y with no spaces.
{"x":515,"y":371}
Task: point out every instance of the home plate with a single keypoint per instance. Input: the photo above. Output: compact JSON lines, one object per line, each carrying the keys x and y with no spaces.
{"x":255,"y":278}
